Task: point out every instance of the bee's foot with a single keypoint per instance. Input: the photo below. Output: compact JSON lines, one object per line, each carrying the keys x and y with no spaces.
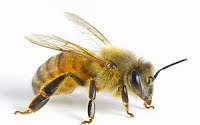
{"x":23,"y":112}
{"x":152,"y":107}
{"x":149,"y":106}
{"x":130,"y":115}
{"x":87,"y":122}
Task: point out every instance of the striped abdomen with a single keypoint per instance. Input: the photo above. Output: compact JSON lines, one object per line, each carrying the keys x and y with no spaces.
{"x":58,"y":65}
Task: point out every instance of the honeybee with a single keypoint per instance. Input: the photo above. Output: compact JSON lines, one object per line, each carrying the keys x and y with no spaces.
{"x":111,"y":69}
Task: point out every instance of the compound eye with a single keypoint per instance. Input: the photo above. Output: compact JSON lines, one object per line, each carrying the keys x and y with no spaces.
{"x":135,"y":80}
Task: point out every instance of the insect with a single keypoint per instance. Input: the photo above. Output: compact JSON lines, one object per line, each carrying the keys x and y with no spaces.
{"x":111,"y":69}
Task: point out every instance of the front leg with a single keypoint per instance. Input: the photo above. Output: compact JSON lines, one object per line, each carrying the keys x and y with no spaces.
{"x":91,"y":103}
{"x":125,"y":100}
{"x":147,"y":104}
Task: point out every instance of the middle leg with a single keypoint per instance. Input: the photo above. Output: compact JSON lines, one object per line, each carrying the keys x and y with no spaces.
{"x":91,"y":103}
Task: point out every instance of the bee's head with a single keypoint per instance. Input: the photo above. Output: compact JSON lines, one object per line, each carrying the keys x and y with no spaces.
{"x":141,"y":79}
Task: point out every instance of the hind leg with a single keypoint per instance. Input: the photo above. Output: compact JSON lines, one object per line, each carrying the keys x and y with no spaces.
{"x":37,"y":103}
{"x":43,"y":97}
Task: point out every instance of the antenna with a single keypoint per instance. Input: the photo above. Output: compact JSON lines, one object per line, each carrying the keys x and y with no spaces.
{"x":154,"y":77}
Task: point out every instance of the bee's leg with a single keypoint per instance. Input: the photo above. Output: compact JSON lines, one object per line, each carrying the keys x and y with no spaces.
{"x":43,"y":97}
{"x":91,"y":103}
{"x":125,"y":100}
{"x":147,"y":104}
{"x":38,"y":102}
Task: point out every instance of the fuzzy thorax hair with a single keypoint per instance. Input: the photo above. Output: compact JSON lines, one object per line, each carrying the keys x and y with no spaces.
{"x":126,"y":62}
{"x":124,"y":59}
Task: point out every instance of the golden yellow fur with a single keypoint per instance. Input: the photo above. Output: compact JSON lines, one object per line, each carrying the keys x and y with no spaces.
{"x":58,"y":65}
{"x":110,"y":80}
{"x":106,"y":80}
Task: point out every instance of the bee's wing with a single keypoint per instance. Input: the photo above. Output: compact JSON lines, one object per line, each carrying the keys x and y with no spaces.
{"x":57,"y":43}
{"x":87,"y":26}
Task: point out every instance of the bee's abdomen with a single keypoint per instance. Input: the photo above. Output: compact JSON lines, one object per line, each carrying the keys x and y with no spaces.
{"x":55,"y":67}
{"x":44,"y":73}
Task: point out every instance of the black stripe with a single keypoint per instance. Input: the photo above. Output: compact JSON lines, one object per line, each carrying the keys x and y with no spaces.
{"x":58,"y":60}
{"x":48,"y":67}
{"x":39,"y":74}
{"x":35,"y":87}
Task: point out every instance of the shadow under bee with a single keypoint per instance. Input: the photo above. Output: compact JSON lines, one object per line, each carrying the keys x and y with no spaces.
{"x":77,"y":102}
{"x":70,"y":105}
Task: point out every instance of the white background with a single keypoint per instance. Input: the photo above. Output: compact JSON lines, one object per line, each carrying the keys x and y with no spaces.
{"x":160,"y":31}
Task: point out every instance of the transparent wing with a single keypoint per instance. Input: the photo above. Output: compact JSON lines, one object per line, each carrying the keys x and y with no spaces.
{"x":57,"y":43}
{"x":87,"y":26}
